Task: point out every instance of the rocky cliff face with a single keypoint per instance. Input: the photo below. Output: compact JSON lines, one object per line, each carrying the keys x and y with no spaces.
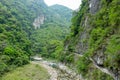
{"x":94,"y":36}
{"x":39,"y":21}
{"x":94,"y":6}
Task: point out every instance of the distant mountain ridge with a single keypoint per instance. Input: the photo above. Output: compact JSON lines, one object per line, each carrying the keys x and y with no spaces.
{"x":63,"y":11}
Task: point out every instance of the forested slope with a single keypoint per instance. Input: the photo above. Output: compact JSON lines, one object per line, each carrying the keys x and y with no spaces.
{"x":19,"y":38}
{"x":14,"y":43}
{"x":94,"y":44}
{"x":52,"y":33}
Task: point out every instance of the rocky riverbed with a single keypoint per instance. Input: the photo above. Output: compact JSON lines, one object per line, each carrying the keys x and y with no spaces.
{"x":58,"y":71}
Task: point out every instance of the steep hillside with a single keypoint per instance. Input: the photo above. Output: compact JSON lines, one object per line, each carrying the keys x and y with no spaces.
{"x":94,"y":43}
{"x":14,"y":43}
{"x":62,"y":10}
{"x":53,"y":30}
{"x":24,"y":24}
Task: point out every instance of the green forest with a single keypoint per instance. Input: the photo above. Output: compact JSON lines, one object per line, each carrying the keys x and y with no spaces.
{"x":18,"y":38}
{"x":86,"y":40}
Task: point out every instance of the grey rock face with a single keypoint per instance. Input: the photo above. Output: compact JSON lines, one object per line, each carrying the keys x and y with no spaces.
{"x":82,"y":45}
{"x":94,"y":6}
{"x":99,"y":56}
{"x":38,"y":21}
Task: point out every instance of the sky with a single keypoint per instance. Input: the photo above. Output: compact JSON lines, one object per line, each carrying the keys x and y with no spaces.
{"x":73,"y":4}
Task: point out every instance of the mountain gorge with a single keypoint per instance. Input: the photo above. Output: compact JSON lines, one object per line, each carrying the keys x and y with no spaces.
{"x":87,"y":40}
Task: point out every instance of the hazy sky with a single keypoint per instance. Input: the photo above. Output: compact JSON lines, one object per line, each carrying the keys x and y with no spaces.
{"x":73,"y":4}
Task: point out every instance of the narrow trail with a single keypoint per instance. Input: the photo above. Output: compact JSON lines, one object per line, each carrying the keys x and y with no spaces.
{"x":104,"y":70}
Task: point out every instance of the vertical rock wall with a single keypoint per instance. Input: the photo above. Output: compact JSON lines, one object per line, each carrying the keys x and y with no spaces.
{"x":38,"y":21}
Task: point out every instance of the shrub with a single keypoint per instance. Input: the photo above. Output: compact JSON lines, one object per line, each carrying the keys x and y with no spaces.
{"x":3,"y":67}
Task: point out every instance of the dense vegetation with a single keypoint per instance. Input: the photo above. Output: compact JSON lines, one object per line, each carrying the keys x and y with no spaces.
{"x":92,"y":34}
{"x":48,"y":39}
{"x":52,"y":33}
{"x":14,"y":43}
{"x":101,"y":33}
{"x":18,"y":38}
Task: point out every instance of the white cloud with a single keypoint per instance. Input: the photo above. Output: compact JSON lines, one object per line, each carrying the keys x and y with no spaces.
{"x":73,"y":4}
